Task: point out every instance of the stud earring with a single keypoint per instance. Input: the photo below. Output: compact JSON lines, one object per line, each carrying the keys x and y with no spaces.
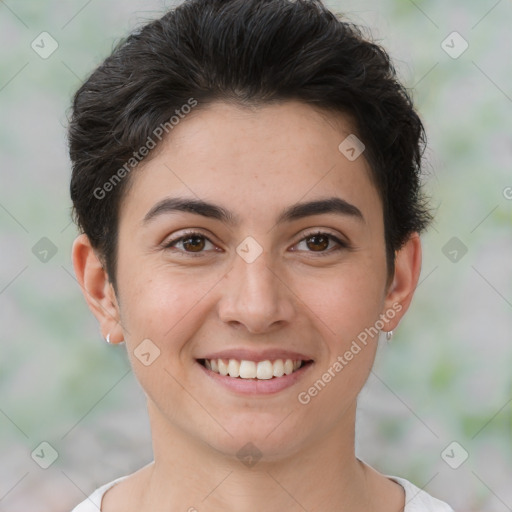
{"x":107,"y":339}
{"x":389,"y":335}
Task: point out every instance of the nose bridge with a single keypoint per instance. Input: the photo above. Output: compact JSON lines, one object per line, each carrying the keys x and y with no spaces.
{"x":254,"y":295}
{"x":259,"y":281}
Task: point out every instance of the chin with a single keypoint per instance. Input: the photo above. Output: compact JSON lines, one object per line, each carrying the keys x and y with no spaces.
{"x":263,"y":436}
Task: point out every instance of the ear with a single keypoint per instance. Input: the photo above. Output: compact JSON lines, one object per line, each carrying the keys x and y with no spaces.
{"x":405,"y":279}
{"x":97,"y":289}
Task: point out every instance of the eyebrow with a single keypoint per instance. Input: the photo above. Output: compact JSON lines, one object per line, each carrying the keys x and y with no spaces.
{"x":331,"y":205}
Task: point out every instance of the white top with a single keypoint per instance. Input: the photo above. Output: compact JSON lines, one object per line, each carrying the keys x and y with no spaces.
{"x":416,"y":500}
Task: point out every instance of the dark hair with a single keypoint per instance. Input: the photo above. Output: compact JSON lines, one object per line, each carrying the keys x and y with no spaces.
{"x":251,"y":52}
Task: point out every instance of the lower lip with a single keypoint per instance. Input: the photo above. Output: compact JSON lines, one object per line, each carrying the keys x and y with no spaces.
{"x":256,"y":386}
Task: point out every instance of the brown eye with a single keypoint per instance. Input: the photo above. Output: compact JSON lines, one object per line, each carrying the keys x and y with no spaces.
{"x":317,"y":242}
{"x":193,"y":243}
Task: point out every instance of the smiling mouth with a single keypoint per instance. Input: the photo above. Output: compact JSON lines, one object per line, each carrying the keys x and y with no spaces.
{"x":260,"y":370}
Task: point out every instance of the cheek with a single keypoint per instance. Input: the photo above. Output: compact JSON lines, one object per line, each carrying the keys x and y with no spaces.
{"x":345,"y":308}
{"x":164,"y":306}
{"x":167,"y":309}
{"x":345,"y":301}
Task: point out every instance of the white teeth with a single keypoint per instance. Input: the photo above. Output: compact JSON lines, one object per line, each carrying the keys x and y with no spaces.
{"x":278,"y":368}
{"x":288,"y":366}
{"x":233,"y":368}
{"x":223,"y":367}
{"x":264,"y":370}
{"x":245,"y":369}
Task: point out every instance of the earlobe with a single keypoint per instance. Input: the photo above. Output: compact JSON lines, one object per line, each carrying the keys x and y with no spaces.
{"x":407,"y":271}
{"x":97,"y":290}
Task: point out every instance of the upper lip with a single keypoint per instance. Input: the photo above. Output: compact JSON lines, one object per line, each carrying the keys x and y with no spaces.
{"x":252,"y":355}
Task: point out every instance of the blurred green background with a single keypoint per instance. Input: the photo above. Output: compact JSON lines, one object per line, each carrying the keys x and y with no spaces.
{"x":446,"y":377}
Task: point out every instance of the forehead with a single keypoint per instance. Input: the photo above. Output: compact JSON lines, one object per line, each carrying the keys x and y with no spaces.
{"x":254,"y":158}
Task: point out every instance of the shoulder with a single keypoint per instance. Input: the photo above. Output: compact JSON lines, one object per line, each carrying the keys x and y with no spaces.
{"x":93,"y":502}
{"x":417,"y":500}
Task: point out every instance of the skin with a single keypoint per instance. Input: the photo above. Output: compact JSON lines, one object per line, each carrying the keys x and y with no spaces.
{"x":255,"y":163}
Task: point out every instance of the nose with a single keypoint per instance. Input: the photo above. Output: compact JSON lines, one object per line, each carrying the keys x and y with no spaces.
{"x":256,"y":296}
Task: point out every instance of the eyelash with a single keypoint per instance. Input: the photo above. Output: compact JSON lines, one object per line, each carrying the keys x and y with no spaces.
{"x":189,"y":234}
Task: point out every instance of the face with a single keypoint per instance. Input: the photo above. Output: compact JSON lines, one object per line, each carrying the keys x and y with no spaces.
{"x":282,"y":257}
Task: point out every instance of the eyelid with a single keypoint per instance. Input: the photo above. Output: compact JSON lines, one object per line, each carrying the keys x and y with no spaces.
{"x":342,"y":244}
{"x":187,"y":233}
{"x":322,"y":231}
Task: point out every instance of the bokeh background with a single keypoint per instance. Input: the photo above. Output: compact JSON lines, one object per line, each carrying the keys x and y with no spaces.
{"x":437,"y":408}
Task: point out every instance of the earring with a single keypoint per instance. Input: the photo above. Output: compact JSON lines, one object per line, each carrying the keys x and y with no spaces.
{"x":107,"y":339}
{"x":389,"y":335}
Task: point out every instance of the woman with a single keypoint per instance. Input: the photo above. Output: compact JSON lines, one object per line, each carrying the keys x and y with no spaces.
{"x":246,"y":178}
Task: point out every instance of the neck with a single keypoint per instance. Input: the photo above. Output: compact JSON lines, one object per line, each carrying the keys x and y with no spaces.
{"x":188,"y":474}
